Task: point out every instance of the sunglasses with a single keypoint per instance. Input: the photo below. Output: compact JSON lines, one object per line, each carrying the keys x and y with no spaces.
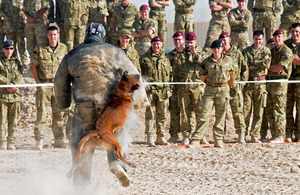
{"x":9,"y":48}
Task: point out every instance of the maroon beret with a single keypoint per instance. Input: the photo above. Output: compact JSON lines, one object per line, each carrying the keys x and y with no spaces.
{"x":178,"y":34}
{"x":270,"y":41}
{"x":224,"y":35}
{"x":144,"y":7}
{"x":190,"y":36}
{"x":278,"y":32}
{"x":157,"y":39}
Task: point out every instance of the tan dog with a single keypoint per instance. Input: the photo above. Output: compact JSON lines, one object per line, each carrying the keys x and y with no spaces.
{"x":112,"y":118}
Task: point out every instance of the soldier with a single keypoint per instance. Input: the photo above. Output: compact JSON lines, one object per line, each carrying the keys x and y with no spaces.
{"x":91,"y":90}
{"x":124,"y":16}
{"x":258,"y":59}
{"x":217,"y":70}
{"x":156,"y":66}
{"x":264,"y":14}
{"x":75,"y":20}
{"x":124,"y":44}
{"x":37,"y":20}
{"x":184,"y":18}
{"x":281,"y":67}
{"x":46,"y":59}
{"x":292,"y":97}
{"x":10,"y":98}
{"x":144,"y":30}
{"x":14,"y":24}
{"x":290,"y":15}
{"x":59,"y":19}
{"x":158,"y":14}
{"x":98,"y":12}
{"x":110,"y":34}
{"x":239,"y":20}
{"x":236,"y":94}
{"x":219,"y":22}
{"x":2,"y":33}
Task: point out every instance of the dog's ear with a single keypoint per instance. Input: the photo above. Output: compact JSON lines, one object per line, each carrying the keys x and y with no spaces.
{"x":125,"y":74}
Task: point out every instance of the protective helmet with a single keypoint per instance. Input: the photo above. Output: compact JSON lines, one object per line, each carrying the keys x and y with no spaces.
{"x":95,"y":29}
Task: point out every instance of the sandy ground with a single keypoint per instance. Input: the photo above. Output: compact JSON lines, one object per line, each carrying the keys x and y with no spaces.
{"x":174,"y":169}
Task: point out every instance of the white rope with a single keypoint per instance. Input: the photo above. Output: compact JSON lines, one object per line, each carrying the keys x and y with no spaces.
{"x":159,"y":83}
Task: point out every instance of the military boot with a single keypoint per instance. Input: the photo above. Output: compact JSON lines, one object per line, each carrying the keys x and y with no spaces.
{"x":161,"y":141}
{"x":150,"y":141}
{"x":121,"y":174}
{"x":39,"y":144}
{"x":11,"y":146}
{"x":204,"y":141}
{"x":186,"y":141}
{"x":59,"y":143}
{"x":277,"y":140}
{"x":195,"y":144}
{"x":174,"y":139}
{"x":241,"y":138}
{"x":219,"y":143}
{"x":255,"y":140}
{"x":288,"y":137}
{"x":3,"y":146}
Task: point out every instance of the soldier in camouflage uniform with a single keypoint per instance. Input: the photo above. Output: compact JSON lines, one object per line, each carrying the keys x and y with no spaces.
{"x":156,"y":66}
{"x":216,"y":71}
{"x":37,"y":20}
{"x":14,"y":24}
{"x":281,"y":68}
{"x":2,"y":33}
{"x":292,"y":97}
{"x":110,"y":34}
{"x":75,"y":20}
{"x":184,"y":18}
{"x":124,"y":16}
{"x":158,"y":14}
{"x":290,"y":15}
{"x":10,"y":106}
{"x":124,"y":44}
{"x":239,"y":20}
{"x":258,"y":59}
{"x":265,"y":14}
{"x":219,"y":22}
{"x":236,"y":94}
{"x":98,"y":12}
{"x":144,"y":30}
{"x":45,"y":62}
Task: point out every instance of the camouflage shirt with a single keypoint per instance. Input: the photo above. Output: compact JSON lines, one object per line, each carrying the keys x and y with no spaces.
{"x":140,"y":24}
{"x":242,"y":72}
{"x":296,"y":50}
{"x":98,"y":11}
{"x":125,"y":17}
{"x":33,"y":7}
{"x":238,"y":15}
{"x":133,"y":56}
{"x":284,"y":57}
{"x":77,"y":12}
{"x":217,"y":71}
{"x":264,"y":5}
{"x":13,"y":9}
{"x":187,"y":5}
{"x":260,"y":66}
{"x":47,"y":60}
{"x":222,"y":13}
{"x":10,"y":73}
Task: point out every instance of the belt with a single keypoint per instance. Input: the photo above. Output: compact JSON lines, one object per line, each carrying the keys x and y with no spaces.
{"x":259,"y":78}
{"x":46,"y":80}
{"x":184,"y":11}
{"x":157,"y":9}
{"x":216,"y":84}
{"x":276,"y":77}
{"x":262,"y":10}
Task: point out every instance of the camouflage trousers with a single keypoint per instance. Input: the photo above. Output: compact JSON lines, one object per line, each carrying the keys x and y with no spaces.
{"x":240,"y":39}
{"x":18,"y":37}
{"x":160,"y":18}
{"x":216,"y":27}
{"x":265,"y":20}
{"x":85,"y":116}
{"x":174,"y":113}
{"x":62,"y":33}
{"x":35,"y":34}
{"x":74,"y":36}
{"x":236,"y":103}
{"x":287,"y":19}
{"x":217,"y":97}
{"x":155,"y":122}
{"x":44,"y":98}
{"x":255,"y":100}
{"x":9,"y":120}
{"x":142,"y":47}
{"x":293,"y":99}
{"x":2,"y":33}
{"x":276,"y":108}
{"x":184,"y":23}
{"x":265,"y":125}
